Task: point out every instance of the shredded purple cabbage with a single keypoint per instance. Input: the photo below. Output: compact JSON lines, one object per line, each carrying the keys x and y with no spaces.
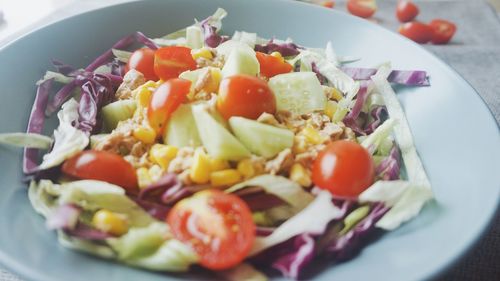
{"x":293,"y":256}
{"x":212,"y":38}
{"x":285,"y":49}
{"x":322,"y":79}
{"x":83,"y":231}
{"x":65,"y":92}
{"x":259,"y":200}
{"x":348,"y":245}
{"x":35,"y":124}
{"x":379,"y":114}
{"x":156,"y":210}
{"x":64,"y":217}
{"x":351,"y":119}
{"x":62,"y":68}
{"x":402,"y":77}
{"x":164,"y":191}
{"x":389,"y":167}
{"x":97,"y":91}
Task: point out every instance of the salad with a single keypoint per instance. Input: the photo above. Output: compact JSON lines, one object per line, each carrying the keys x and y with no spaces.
{"x":236,"y":154}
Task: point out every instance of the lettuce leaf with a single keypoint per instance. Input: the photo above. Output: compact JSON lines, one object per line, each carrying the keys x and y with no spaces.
{"x":28,"y":140}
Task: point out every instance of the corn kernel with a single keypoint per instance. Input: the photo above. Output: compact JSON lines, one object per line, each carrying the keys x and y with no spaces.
{"x":312,"y":135}
{"x":218,"y":164}
{"x":143,"y":178}
{"x":162,"y":154}
{"x":200,"y":169}
{"x":201,"y":53}
{"x":278,"y":55}
{"x":155,"y":173}
{"x":143,"y":93}
{"x":145,"y":134}
{"x":109,"y":222}
{"x":246,"y":168}
{"x":300,"y":175}
{"x":331,"y":107}
{"x":225,"y":177}
{"x":299,"y":144}
{"x":212,"y":85}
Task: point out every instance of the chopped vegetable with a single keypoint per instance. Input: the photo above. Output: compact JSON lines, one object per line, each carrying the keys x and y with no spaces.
{"x":362,"y":8}
{"x":406,"y":11}
{"x":442,"y":31}
{"x":417,"y":31}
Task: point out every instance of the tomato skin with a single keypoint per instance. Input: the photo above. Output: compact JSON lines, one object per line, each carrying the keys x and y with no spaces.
{"x":344,"y":168}
{"x":406,"y":11}
{"x":271,"y":66}
{"x":416,"y":31}
{"x":102,"y":166}
{"x":165,"y":100}
{"x":442,"y":31}
{"x":362,"y":8}
{"x":246,"y":96}
{"x":171,"y":61}
{"x":142,"y":60}
{"x":328,"y":4}
{"x":218,"y":225}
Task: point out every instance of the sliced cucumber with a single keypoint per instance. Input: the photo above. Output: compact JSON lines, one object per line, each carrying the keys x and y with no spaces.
{"x":261,"y":139}
{"x":116,"y":112}
{"x":215,"y":138}
{"x":240,"y":59}
{"x":181,"y":128}
{"x":298,"y":92}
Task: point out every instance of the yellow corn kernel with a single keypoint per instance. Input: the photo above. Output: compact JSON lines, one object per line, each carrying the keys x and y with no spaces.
{"x":278,"y":55}
{"x":201,"y":53}
{"x":143,"y":93}
{"x":300,"y":175}
{"x":312,"y":135}
{"x":225,"y":177}
{"x":145,"y":134}
{"x":200,"y":169}
{"x":155,"y":172}
{"x":218,"y":164}
{"x":212,"y":85}
{"x":109,"y":222}
{"x":246,"y":168}
{"x":299,"y":144}
{"x":331,"y":107}
{"x":162,"y":154}
{"x":143,"y":178}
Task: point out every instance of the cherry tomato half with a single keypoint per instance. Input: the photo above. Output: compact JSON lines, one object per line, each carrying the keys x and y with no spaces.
{"x":142,"y":60}
{"x":442,"y":31}
{"x":246,"y":96}
{"x":416,"y":31}
{"x":271,"y":66}
{"x":406,"y":11}
{"x":218,"y":226}
{"x":344,"y":168}
{"x":165,"y":100}
{"x":328,"y":4}
{"x":102,"y":166}
{"x":362,"y":8}
{"x":171,"y":61}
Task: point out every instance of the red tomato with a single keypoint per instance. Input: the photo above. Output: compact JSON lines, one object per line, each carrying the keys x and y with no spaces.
{"x":442,"y":31}
{"x":362,"y":8}
{"x":246,"y":96}
{"x":218,"y":226}
{"x":328,"y":4}
{"x":344,"y":168}
{"x":271,"y":66}
{"x":102,"y":166}
{"x":142,"y":60}
{"x":406,"y":11}
{"x":171,"y":61}
{"x":416,"y":31}
{"x":165,"y":100}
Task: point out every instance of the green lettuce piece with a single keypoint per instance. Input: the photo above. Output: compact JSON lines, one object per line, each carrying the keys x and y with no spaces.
{"x":379,"y":136}
{"x":43,"y":196}
{"x":68,"y":140}
{"x":86,"y":246}
{"x":58,"y":77}
{"x":121,"y":55}
{"x":30,"y":140}
{"x":140,"y":242}
{"x":353,"y":218}
{"x":93,"y":195}
{"x":287,"y":190}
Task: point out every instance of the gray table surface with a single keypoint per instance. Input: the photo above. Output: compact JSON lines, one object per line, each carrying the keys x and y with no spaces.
{"x":475,"y":54}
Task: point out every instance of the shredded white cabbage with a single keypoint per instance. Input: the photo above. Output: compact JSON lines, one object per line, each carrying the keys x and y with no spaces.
{"x":30,"y":140}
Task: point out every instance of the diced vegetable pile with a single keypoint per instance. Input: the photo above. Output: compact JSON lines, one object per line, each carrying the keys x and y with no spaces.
{"x":232,"y":153}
